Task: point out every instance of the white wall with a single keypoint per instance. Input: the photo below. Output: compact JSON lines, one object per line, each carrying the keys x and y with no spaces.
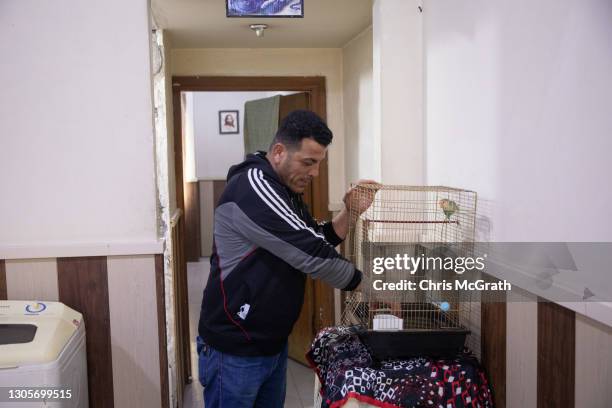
{"x":325,"y":62}
{"x":357,"y":100}
{"x":398,"y":90}
{"x":215,"y":152}
{"x":76,"y":127}
{"x":189,"y":150}
{"x":518,"y":109}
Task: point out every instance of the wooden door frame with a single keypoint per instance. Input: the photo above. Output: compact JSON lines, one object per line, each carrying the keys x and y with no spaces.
{"x":324,"y":314}
{"x":313,"y":85}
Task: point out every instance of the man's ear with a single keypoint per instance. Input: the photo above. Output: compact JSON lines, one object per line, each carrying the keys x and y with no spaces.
{"x":278,"y":153}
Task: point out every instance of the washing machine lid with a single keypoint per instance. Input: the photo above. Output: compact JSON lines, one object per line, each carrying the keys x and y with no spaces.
{"x":34,"y":332}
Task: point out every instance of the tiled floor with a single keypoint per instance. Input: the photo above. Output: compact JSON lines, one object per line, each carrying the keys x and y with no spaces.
{"x":300,"y":379}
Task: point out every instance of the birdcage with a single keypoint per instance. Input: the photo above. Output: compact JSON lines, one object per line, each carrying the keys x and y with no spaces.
{"x":403,"y":224}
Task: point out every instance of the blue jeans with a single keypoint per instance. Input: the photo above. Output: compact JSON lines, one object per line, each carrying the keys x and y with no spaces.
{"x":231,"y":381}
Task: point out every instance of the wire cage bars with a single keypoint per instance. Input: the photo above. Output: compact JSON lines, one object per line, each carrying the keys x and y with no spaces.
{"x":402,"y":225}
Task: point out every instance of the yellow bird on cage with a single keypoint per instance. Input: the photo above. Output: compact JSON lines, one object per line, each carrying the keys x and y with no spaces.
{"x":449,"y":207}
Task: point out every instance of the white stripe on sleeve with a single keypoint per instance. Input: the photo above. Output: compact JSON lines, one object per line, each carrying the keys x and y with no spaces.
{"x":259,"y":193}
{"x":286,"y":210}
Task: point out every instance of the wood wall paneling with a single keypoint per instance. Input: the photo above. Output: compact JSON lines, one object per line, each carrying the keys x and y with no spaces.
{"x":593,"y":363}
{"x":32,"y":279}
{"x":161,"y":330}
{"x":182,"y":368}
{"x":2,"y":280}
{"x":218,"y":187}
{"x":556,"y":356}
{"x":83,"y":286}
{"x":206,"y":216}
{"x":493,"y":347}
{"x":109,"y":294}
{"x":522,"y":349}
{"x":192,"y":222}
{"x":132,"y":295}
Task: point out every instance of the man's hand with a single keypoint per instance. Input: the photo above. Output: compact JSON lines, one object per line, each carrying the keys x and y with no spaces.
{"x":360,"y":197}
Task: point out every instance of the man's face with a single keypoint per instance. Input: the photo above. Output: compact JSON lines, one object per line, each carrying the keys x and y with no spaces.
{"x":297,"y":168}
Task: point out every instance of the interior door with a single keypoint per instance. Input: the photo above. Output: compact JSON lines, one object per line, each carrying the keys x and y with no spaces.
{"x":304,"y":329}
{"x":318,"y":298}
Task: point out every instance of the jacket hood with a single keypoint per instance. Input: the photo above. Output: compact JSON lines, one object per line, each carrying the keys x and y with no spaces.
{"x":254,"y":160}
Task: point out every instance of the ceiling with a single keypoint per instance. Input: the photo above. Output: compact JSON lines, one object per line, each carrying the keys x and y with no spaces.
{"x":203,"y":24}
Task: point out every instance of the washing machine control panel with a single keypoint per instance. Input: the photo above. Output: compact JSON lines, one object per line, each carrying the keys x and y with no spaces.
{"x":35,"y":307}
{"x":31,"y":308}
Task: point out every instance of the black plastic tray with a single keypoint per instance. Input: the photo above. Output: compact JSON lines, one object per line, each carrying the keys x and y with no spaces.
{"x":385,"y":345}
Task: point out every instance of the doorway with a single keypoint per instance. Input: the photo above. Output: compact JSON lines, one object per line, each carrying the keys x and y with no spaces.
{"x":318,"y":309}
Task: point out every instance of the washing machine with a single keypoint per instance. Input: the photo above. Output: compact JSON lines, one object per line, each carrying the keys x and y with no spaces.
{"x":42,"y":355}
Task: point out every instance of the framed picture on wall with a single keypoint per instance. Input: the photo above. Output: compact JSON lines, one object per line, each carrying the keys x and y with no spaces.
{"x":229,"y":122}
{"x":265,"y":8}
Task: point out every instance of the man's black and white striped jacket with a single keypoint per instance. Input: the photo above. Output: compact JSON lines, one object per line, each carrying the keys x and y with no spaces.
{"x":265,"y":244}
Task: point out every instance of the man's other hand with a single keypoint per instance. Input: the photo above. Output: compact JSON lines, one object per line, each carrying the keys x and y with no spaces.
{"x":360,"y":197}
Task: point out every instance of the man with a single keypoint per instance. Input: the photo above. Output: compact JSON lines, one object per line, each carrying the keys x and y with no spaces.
{"x":265,"y":244}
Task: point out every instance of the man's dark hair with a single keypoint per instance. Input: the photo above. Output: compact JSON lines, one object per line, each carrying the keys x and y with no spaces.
{"x":300,"y":124}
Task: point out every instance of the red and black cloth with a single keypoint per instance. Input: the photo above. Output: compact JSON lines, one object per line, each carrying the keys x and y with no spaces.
{"x":346,"y":370}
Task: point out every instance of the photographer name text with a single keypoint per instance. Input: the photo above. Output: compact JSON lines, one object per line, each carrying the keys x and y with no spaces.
{"x":443,"y":285}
